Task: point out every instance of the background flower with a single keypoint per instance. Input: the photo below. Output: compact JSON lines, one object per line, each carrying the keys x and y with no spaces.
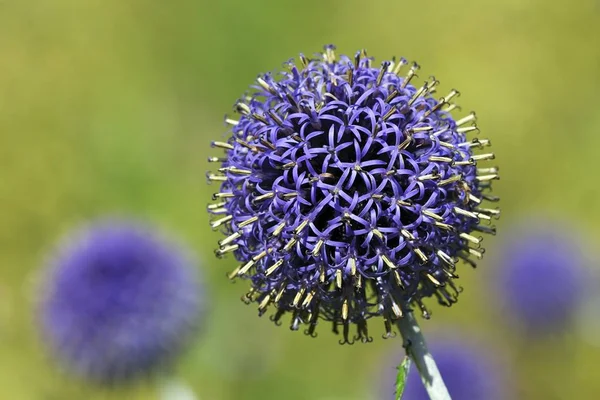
{"x":541,"y":277}
{"x":119,"y":302}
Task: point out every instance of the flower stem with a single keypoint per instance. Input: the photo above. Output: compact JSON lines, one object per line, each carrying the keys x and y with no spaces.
{"x":175,"y":389}
{"x":416,"y":348}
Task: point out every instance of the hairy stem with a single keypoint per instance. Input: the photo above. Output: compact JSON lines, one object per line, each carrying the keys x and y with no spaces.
{"x":416,"y":348}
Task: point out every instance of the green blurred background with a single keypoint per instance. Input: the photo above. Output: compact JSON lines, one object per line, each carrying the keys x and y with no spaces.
{"x":108,"y":107}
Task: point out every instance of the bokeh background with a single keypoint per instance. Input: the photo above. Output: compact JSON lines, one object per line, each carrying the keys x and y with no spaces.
{"x":108,"y":107}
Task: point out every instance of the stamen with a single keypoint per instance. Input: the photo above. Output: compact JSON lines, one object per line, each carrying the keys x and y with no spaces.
{"x":470,"y":238}
{"x":279,"y":229}
{"x":482,"y":157}
{"x":389,"y":113}
{"x":290,"y":244}
{"x":452,"y":108}
{"x":421,"y":255}
{"x":235,"y":170}
{"x":476,"y":253}
{"x":273,"y":267}
{"x":338,"y":278}
{"x":265,"y":301}
{"x":467,"y":119}
{"x":297,"y":297}
{"x":484,"y":178}
{"x":233,"y":274}
{"x":222,"y":145}
{"x":384,"y":66}
{"x":221,"y":221}
{"x":491,"y":211}
{"x":453,"y":93}
{"x":247,"y":145}
{"x":329,"y":55}
{"x":433,"y":280}
{"x":246,"y":267}
{"x":417,"y":94}
{"x":444,"y":226}
{"x":267,"y":144}
{"x":391,"y":96}
{"x":290,"y":195}
{"x":465,"y":212}
{"x":229,"y":239}
{"x":474,"y":199}
{"x":216,"y":205}
{"x":259,"y":118}
{"x":445,"y":258}
{"x":301,"y":227}
{"x":431,"y":214}
{"x":280,"y":293}
{"x":275,"y":117}
{"x":440,"y":159}
{"x":345,"y":310}
{"x":216,"y":178}
{"x":388,"y":262}
{"x":352,"y":263}
{"x":467,"y":129}
{"x":226,"y":249}
{"x":396,"y":309}
{"x":317,"y":248}
{"x":465,"y":162}
{"x":223,"y":195}
{"x":428,"y":177}
{"x":411,"y":74}
{"x":308,"y":299}
{"x":401,"y":63}
{"x":398,"y":278}
{"x":247,"y":222}
{"x":407,"y":234}
{"x":242,"y":108}
{"x":268,"y":195}
{"x":266,"y":86}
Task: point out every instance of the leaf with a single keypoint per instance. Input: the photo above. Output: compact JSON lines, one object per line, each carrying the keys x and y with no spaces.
{"x":401,"y":377}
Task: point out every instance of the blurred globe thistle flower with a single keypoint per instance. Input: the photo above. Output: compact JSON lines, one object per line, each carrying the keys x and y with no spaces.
{"x":469,"y":372}
{"x":347,"y":192}
{"x":541,"y":276}
{"x":119,"y":302}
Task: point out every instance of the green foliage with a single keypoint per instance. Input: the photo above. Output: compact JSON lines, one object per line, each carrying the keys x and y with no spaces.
{"x":403,"y":369}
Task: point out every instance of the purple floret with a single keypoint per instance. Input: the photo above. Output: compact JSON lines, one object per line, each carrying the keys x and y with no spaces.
{"x":347,"y":192}
{"x":119,"y":302}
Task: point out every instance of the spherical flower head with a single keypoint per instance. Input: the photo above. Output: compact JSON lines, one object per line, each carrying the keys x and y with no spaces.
{"x":119,"y":302}
{"x":541,"y":276}
{"x":347,"y":192}
{"x":469,"y":372}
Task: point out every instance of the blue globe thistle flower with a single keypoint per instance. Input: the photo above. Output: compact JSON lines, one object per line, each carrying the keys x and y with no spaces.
{"x":541,"y":276}
{"x":469,"y":372}
{"x":347,"y":192}
{"x":119,"y":302}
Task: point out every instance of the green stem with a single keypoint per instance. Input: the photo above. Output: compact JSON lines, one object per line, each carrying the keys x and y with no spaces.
{"x":416,"y":348}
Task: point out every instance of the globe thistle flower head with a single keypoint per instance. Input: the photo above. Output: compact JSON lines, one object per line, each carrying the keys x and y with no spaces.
{"x":469,"y":372}
{"x":347,"y":192}
{"x":119,"y":302}
{"x":541,"y":276}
